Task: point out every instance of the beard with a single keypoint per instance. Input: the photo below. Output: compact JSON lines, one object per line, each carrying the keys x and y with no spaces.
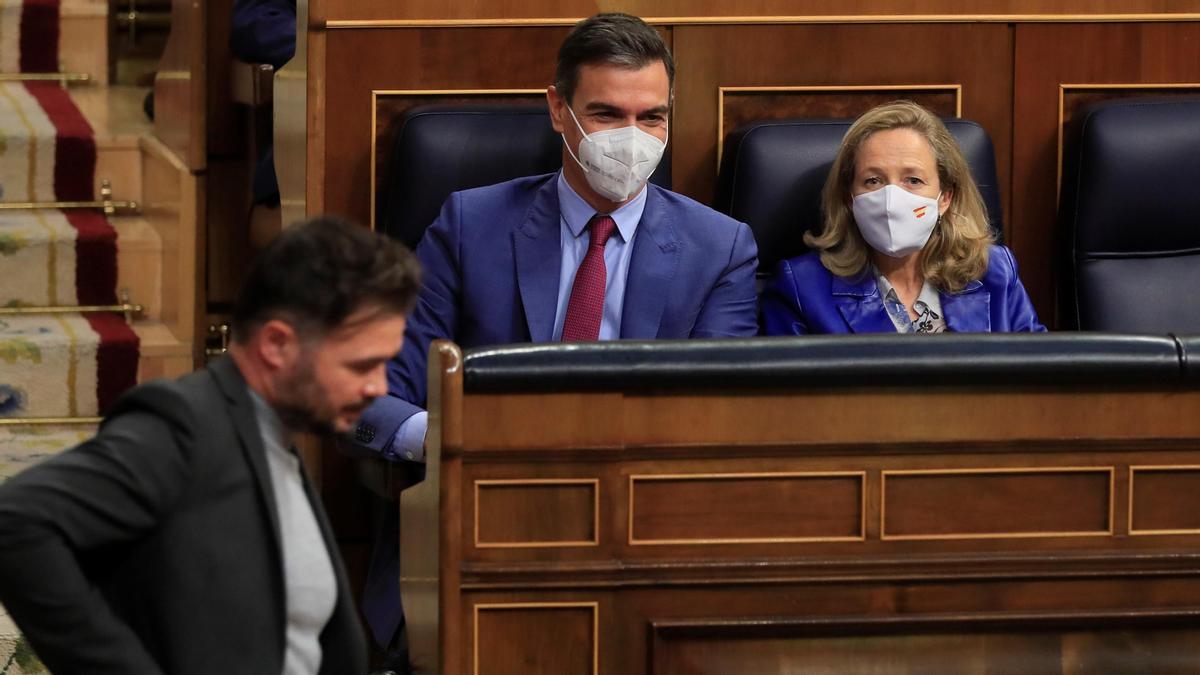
{"x":302,"y":405}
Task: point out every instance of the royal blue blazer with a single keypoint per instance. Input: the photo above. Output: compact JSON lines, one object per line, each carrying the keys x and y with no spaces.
{"x":490,"y":271}
{"x":804,"y":297}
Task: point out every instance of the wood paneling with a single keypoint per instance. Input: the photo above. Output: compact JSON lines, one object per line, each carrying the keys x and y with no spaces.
{"x":739,"y":106}
{"x":986,"y":503}
{"x":745,"y":508}
{"x":390,"y":107}
{"x":1046,"y":57}
{"x":535,"y":513}
{"x":1164,"y":500}
{"x":414,"y":60}
{"x":535,"y":639}
{"x":983,"y":561}
{"x":529,"y":9}
{"x":1026,"y":645}
{"x":832,"y":56}
{"x":180,"y":86}
{"x":825,"y":416}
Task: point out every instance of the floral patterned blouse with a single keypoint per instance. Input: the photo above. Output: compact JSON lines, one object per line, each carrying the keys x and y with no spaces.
{"x":927,"y":306}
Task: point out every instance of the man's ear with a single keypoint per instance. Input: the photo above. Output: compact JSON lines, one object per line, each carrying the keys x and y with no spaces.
{"x":556,"y":104}
{"x":278,"y":344}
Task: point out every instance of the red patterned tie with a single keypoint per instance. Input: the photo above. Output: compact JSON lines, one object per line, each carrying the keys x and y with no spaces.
{"x":586,"y":305}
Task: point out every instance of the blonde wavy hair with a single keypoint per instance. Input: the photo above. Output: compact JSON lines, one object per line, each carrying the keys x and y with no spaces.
{"x":957,"y":251}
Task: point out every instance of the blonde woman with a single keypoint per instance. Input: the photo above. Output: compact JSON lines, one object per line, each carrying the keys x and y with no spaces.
{"x":905,"y":245}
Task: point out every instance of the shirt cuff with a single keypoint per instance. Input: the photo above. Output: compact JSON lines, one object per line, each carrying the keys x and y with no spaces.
{"x":409,"y":442}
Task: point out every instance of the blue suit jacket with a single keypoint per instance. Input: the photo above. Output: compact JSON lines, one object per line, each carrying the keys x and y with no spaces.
{"x":491,"y":266}
{"x":804,"y":297}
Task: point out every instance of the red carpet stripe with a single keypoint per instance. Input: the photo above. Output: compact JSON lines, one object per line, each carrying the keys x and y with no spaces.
{"x":116,"y":358}
{"x":95,"y":258}
{"x":75,"y":147}
{"x":39,"y":36}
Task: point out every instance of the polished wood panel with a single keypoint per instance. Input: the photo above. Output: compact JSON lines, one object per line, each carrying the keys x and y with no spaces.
{"x":1074,"y":99}
{"x":739,"y":106}
{"x":981,"y":503}
{"x":1047,"y":57}
{"x":536,"y":513}
{"x":535,"y":639}
{"x":1001,"y":530}
{"x":1029,"y":645}
{"x":827,"y":416}
{"x":409,"y":60}
{"x":745,"y":508}
{"x":522,"y":9}
{"x":180,"y":85}
{"x":173,"y":204}
{"x":902,"y":55}
{"x":391,"y":106}
{"x":1164,"y":500}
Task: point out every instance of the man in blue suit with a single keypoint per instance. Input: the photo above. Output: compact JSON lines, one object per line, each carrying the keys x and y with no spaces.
{"x":590,"y":252}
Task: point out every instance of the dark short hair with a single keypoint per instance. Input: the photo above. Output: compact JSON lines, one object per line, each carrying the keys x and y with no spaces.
{"x":615,"y":39}
{"x":319,"y":272}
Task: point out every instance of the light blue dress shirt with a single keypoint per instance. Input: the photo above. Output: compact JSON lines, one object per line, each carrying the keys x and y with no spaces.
{"x":409,"y":442}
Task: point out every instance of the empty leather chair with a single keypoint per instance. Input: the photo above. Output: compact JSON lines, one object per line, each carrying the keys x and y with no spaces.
{"x":1130,"y":209}
{"x":440,"y":149}
{"x":772,"y":173}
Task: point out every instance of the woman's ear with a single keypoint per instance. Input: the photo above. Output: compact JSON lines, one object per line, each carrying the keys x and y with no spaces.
{"x":944,"y":201}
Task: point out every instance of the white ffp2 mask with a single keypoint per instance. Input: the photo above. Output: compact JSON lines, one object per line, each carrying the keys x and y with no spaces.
{"x":616,"y":162}
{"x":894,"y":221}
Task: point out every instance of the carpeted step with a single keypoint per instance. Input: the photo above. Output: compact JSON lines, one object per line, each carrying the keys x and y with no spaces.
{"x":57,"y":258}
{"x":25,"y":445}
{"x":29,"y":41}
{"x":16,"y":656}
{"x":47,"y":147}
{"x":64,"y":365}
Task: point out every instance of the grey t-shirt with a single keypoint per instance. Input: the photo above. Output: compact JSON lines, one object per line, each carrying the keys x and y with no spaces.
{"x":309,"y":581}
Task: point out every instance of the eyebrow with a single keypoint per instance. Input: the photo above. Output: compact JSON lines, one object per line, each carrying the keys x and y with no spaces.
{"x":906,"y":169}
{"x":600,"y":106}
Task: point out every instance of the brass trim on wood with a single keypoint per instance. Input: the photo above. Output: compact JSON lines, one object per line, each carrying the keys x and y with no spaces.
{"x":48,"y":421}
{"x":1133,"y":469}
{"x":495,"y":606}
{"x":721,"y":91}
{"x":884,"y":536}
{"x":343,"y":24}
{"x":126,"y":308}
{"x":1063,"y":87}
{"x":63,"y":78}
{"x":376,"y":93}
{"x":862,"y":489}
{"x":593,"y":482}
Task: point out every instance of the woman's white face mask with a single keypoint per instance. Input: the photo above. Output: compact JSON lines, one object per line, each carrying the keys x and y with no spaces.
{"x":894,"y":221}
{"x":616,"y":162}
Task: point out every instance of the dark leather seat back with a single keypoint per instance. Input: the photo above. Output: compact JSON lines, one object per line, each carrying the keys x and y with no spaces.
{"x":439,"y":149}
{"x":832,"y":361}
{"x":1131,"y":210}
{"x":772,"y":173}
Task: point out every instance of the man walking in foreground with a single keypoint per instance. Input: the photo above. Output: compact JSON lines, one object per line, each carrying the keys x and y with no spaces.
{"x":185,"y":537}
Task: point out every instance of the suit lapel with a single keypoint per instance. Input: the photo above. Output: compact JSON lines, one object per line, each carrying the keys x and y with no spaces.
{"x":241,"y":411}
{"x":860,"y":305}
{"x":538,"y":253}
{"x":656,"y":251}
{"x":969,"y":310}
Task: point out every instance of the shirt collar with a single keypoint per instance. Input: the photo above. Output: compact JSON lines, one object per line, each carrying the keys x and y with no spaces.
{"x":576,"y":212}
{"x":928,"y":294}
{"x":268,"y":420}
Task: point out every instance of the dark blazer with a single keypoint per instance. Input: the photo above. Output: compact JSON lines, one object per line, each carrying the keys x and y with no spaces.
{"x":491,"y":268}
{"x":804,"y":297}
{"x":154,"y":547}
